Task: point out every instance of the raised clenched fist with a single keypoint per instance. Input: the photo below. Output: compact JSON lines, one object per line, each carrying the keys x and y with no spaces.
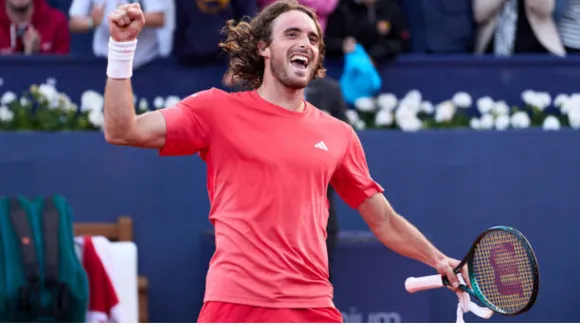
{"x":126,"y":22}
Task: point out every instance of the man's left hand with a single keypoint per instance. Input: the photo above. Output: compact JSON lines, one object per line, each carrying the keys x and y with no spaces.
{"x":446,"y":267}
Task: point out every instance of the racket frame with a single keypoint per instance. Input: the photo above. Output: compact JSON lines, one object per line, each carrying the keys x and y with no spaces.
{"x":476,"y":291}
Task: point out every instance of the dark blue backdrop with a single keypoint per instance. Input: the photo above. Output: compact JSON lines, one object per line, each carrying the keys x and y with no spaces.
{"x":451,"y":184}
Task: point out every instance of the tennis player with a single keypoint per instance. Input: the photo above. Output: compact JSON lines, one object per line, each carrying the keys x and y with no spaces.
{"x":270,"y":157}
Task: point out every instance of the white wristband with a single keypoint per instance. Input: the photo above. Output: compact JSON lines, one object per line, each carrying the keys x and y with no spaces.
{"x":120,"y":59}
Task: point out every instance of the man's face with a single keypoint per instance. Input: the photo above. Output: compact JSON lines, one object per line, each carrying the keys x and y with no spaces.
{"x":293,"y":51}
{"x":19,"y":6}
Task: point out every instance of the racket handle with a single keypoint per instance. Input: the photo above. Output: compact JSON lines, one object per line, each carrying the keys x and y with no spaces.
{"x":414,"y":284}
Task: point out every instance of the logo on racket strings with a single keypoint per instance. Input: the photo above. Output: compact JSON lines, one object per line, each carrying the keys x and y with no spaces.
{"x":506,"y":270}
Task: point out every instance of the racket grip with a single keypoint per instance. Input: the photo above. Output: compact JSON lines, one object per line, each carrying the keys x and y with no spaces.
{"x":415,"y":284}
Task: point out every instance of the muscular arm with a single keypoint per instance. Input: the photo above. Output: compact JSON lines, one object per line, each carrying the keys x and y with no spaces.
{"x":123,"y":126}
{"x":396,"y":232}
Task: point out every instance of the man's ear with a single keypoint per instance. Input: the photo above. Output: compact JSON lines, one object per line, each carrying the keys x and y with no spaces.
{"x":264,"y":49}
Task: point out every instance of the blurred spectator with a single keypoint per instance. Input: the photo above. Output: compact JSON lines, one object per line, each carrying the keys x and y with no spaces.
{"x":199,"y":24}
{"x":508,"y":27}
{"x":440,"y":26}
{"x":323,"y":8}
{"x":91,"y":15}
{"x":377,"y":25}
{"x":326,"y":95}
{"x":569,"y":25}
{"x":32,"y":27}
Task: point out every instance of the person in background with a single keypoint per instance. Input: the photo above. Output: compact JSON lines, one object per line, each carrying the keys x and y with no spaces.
{"x":88,"y":15}
{"x":569,"y":25}
{"x":32,"y":27}
{"x":508,"y":27}
{"x":198,"y":26}
{"x":378,"y":26}
{"x":325,"y":94}
{"x":323,"y":8}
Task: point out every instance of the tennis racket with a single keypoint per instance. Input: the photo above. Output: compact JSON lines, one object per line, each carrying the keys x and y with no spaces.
{"x":503,"y":271}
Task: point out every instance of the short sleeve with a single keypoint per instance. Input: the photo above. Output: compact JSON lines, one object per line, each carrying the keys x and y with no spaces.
{"x":155,"y":5}
{"x":80,"y":8}
{"x":352,"y":180}
{"x":188,"y":124}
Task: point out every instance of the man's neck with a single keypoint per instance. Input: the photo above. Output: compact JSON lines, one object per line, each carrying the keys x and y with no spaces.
{"x":280,"y":95}
{"x":19,"y":18}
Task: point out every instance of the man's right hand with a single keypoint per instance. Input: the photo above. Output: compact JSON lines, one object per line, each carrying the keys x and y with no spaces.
{"x":126,"y":22}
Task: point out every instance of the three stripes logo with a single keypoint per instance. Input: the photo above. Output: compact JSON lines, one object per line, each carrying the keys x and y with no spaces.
{"x":321,"y":145}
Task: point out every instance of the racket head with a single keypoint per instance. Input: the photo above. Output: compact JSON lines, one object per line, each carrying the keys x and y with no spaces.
{"x":503,"y":271}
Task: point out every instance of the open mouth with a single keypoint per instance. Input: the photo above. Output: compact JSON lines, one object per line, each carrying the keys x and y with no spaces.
{"x":299,"y":61}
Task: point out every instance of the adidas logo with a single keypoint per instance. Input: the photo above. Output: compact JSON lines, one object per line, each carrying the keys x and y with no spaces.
{"x":321,"y":145}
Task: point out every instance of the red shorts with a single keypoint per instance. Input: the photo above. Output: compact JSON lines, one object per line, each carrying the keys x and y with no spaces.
{"x":221,"y":312}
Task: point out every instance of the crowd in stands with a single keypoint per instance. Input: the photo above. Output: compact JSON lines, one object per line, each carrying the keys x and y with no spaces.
{"x":189,"y":30}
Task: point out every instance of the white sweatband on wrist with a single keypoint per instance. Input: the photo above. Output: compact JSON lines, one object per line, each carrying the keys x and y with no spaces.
{"x":120,"y":59}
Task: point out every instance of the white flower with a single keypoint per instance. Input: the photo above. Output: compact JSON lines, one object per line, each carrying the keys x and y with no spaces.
{"x":387,"y":101}
{"x":352,"y":116}
{"x":365,"y":104}
{"x":8,"y":97}
{"x":560,"y":100}
{"x":360,"y":125}
{"x":24,"y":101}
{"x":92,"y":101}
{"x":540,"y":100}
{"x":412,"y":100}
{"x":475,"y":123}
{"x":570,"y":103}
{"x":158,"y":102}
{"x":5,"y":114}
{"x":51,"y":81}
{"x":143,"y":105}
{"x":544,"y":100}
{"x":445,"y":111}
{"x":551,"y":123}
{"x":462,"y":100}
{"x":97,"y":118}
{"x":574,"y":118}
{"x":502,"y":122}
{"x":384,"y":118}
{"x":485,"y":104}
{"x":407,"y":119}
{"x":172,"y":100}
{"x":486,"y":121}
{"x":520,"y":120}
{"x":500,"y":108}
{"x":66,"y":103}
{"x":427,"y":107}
{"x":49,"y":93}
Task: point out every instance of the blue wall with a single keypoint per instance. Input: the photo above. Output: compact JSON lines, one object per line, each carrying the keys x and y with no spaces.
{"x":451,"y":184}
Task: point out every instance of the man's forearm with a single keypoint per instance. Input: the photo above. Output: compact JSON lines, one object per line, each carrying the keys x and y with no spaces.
{"x":402,"y":237}
{"x":119,"y":109}
{"x":80,"y":24}
{"x":154,"y":19}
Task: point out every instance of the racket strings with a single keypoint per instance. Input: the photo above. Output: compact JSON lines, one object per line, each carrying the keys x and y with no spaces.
{"x":503,"y":271}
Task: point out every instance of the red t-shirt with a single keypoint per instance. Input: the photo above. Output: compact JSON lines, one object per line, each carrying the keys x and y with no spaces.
{"x":268,"y":170}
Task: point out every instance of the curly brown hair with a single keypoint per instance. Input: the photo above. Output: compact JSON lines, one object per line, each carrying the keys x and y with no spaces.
{"x":242,"y":38}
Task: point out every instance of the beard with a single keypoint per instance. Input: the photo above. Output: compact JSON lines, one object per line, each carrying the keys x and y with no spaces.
{"x":19,"y":9}
{"x":283,"y":74}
